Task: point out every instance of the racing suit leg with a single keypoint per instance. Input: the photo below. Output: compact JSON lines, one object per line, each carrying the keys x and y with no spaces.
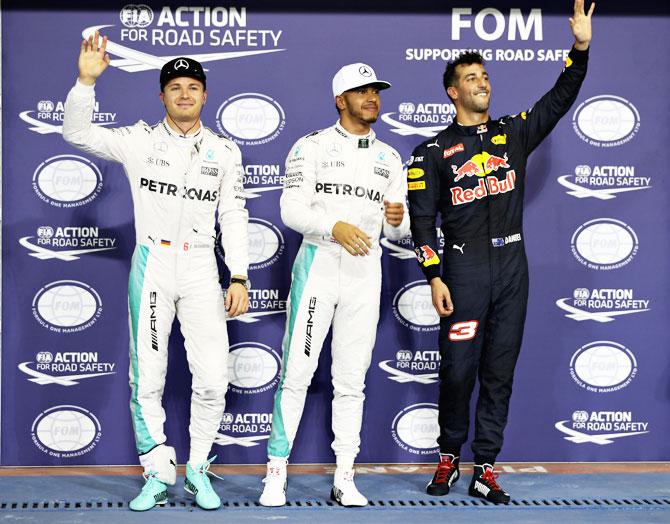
{"x":461,"y":340}
{"x":201,"y":313}
{"x":504,"y":332}
{"x":354,"y":332}
{"x":310,"y":309}
{"x":151,"y":311}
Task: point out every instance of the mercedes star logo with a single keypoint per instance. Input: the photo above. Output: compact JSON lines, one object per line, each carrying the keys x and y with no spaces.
{"x":181,"y":64}
{"x":364,"y":71}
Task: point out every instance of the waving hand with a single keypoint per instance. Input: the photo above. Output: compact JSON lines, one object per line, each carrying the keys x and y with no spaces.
{"x":92,"y":59}
{"x":580,"y":23}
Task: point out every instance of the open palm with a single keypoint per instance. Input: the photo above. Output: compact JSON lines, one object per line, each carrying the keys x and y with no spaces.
{"x":92,"y":58}
{"x":581,"y":22}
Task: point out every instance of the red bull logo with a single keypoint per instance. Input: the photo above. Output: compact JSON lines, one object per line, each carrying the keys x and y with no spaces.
{"x":480,"y":165}
{"x":470,"y":168}
{"x":427,"y":256}
{"x":493,"y":163}
{"x":487,"y":186}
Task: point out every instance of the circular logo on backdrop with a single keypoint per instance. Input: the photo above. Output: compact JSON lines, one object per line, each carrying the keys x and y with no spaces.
{"x":66,"y":431}
{"x":604,"y":243}
{"x":413,"y":307}
{"x":603,"y":366}
{"x":45,"y":106}
{"x":250,"y":119}
{"x":140,"y":15}
{"x":415,"y":429}
{"x":606,"y":121}
{"x":67,"y":181}
{"x":580,"y":416}
{"x":252,"y":368}
{"x":266,"y":244}
{"x":67,"y":306}
{"x":44,"y":357}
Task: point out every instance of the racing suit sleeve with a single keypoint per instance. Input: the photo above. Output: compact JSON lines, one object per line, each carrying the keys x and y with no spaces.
{"x":538,"y":122}
{"x":233,"y":216}
{"x":397,"y":192}
{"x":300,"y":190}
{"x":78,"y":131}
{"x":423,"y":184}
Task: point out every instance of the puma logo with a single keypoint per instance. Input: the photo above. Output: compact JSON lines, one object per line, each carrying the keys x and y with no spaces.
{"x":460,"y":248}
{"x":433,"y":144}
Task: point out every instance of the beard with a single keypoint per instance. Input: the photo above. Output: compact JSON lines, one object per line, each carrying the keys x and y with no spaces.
{"x":364,"y":116}
{"x":477,"y":105}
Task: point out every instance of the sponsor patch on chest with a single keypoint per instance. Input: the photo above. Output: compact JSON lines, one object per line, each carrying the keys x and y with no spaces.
{"x":209,"y":171}
{"x":382,"y":172}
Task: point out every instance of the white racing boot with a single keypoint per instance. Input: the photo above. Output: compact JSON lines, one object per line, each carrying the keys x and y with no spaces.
{"x":274,"y":492}
{"x":345,"y":491}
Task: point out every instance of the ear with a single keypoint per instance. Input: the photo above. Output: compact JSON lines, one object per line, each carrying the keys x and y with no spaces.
{"x":204,"y":97}
{"x":161,"y":95}
{"x":452,"y":92}
{"x":340,"y":102}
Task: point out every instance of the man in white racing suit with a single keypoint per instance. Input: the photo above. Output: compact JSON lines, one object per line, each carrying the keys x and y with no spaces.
{"x":342,"y":187}
{"x":180,"y":175}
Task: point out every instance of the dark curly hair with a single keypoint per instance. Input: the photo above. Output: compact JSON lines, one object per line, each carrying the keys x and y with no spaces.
{"x":467,"y":58}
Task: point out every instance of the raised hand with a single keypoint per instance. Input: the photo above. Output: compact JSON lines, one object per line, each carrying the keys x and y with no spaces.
{"x":92,"y":59}
{"x":580,"y":23}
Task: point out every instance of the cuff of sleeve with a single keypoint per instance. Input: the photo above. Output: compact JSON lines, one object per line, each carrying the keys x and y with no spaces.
{"x":431,"y":272}
{"x":393,"y":232}
{"x":328,"y":224}
{"x":238,"y":269}
{"x":83,"y":89}
{"x":579,"y":57}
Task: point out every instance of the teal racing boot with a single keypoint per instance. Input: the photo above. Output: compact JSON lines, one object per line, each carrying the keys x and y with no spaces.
{"x":198,"y":484}
{"x":154,"y":492}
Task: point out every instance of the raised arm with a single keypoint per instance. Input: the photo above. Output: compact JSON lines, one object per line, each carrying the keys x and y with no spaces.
{"x":77,"y":127}
{"x":535,"y":124}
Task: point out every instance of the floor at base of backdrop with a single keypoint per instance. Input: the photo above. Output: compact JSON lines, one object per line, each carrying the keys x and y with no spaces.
{"x":578,"y":492}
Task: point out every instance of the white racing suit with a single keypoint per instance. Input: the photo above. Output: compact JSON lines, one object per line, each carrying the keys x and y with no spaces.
{"x":177,"y":185}
{"x":332,"y":175}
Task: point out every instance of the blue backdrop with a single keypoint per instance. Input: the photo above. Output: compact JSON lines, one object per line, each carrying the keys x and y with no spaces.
{"x":591,"y":384}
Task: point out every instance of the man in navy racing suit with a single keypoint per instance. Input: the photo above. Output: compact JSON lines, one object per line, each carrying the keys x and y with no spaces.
{"x":473,"y":174}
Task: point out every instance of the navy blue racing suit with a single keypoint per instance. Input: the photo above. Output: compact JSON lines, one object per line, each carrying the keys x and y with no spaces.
{"x":474,"y":177}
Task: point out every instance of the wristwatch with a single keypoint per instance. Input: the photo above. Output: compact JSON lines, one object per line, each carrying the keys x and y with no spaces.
{"x":244,"y":281}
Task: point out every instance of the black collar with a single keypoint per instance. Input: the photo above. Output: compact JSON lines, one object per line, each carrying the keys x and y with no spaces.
{"x":473,"y":130}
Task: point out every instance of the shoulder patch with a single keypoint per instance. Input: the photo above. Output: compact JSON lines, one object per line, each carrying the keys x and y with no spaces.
{"x":226,"y":141}
{"x":314,"y":133}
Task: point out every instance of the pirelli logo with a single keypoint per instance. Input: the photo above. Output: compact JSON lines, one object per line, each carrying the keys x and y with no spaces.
{"x":413,"y":186}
